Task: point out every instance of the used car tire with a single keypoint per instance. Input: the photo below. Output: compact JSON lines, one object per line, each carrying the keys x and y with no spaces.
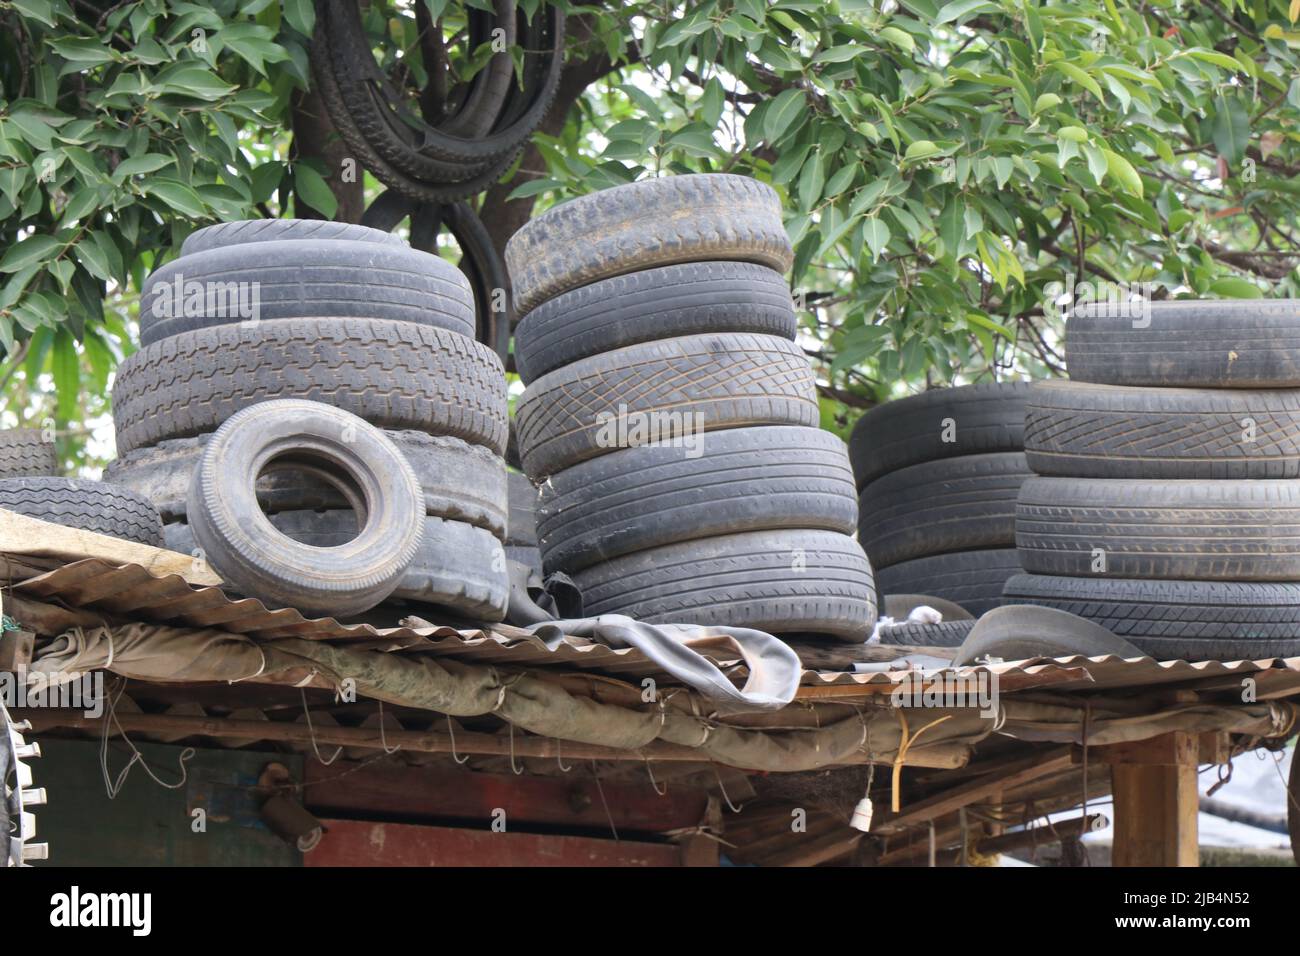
{"x":943,"y":634}
{"x":1018,"y":632}
{"x":979,"y":419}
{"x":972,"y":579}
{"x":745,"y":479}
{"x":1199,"y":610}
{"x":952,"y":504}
{"x":254,"y":558}
{"x":723,"y":381}
{"x":521,"y":525}
{"x":300,"y":278}
{"x":87,"y":505}
{"x":394,"y":375}
{"x":1076,"y":429}
{"x":275,"y":230}
{"x":689,"y":298}
{"x":656,"y":222}
{"x":457,"y":566}
{"x":460,"y":481}
{"x":25,"y":453}
{"x":781,"y":582}
{"x":1181,"y":649}
{"x":1190,"y":530}
{"x":1226,"y":343}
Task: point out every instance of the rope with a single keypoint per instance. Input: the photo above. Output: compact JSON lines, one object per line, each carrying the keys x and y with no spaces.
{"x":312,"y":730}
{"x":114,"y":786}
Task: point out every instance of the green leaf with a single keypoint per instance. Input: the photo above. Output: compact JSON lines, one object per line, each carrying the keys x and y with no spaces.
{"x":1234,"y":288}
{"x":899,"y":38}
{"x":1231,"y":129}
{"x":921,"y":149}
{"x":1080,"y":78}
{"x":177,"y":195}
{"x":1124,"y":173}
{"x":65,"y":368}
{"x":33,"y":250}
{"x":962,"y":8}
{"x":140,"y":165}
{"x":314,"y":191}
{"x":1076,"y":134}
{"x":782,"y":112}
{"x":876,"y":235}
{"x":301,"y":15}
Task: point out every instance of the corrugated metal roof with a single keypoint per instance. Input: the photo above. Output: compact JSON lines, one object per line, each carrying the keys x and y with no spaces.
{"x":132,"y":591}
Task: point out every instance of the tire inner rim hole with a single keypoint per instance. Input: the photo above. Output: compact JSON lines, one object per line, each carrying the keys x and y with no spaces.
{"x":347,"y":504}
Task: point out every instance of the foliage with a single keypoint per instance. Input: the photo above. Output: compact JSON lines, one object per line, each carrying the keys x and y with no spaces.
{"x":943,"y":164}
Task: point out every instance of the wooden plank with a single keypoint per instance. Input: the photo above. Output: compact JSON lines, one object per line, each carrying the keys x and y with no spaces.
{"x":361,"y":843}
{"x":426,"y":794}
{"x":1156,"y":804}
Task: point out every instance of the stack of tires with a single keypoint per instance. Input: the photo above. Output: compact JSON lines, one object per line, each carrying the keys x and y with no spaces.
{"x":939,"y":473}
{"x":29,"y":485}
{"x":671,"y":422}
{"x":336,"y":314}
{"x":1168,"y":508}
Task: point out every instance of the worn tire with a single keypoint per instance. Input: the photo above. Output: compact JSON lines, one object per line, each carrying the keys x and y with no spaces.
{"x":299,"y":278}
{"x":746,"y":479}
{"x":252,"y":557}
{"x":392,"y":374}
{"x":954,"y":504}
{"x":972,"y":579}
{"x":723,"y":381}
{"x":521,"y":525}
{"x":1080,"y":430}
{"x":460,"y":481}
{"x":276,"y":230}
{"x":24,"y":453}
{"x":985,"y":418}
{"x":943,"y":634}
{"x":690,"y":298}
{"x":743,"y":580}
{"x":1017,"y":632}
{"x":657,"y":222}
{"x":1169,"y":610}
{"x":1185,"y":649}
{"x":87,"y":505}
{"x":1189,"y":530}
{"x":1232,"y":343}
{"x":457,"y":566}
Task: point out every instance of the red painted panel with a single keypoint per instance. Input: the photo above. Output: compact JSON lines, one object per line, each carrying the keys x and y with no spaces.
{"x":359,"y":843}
{"x":433,"y":793}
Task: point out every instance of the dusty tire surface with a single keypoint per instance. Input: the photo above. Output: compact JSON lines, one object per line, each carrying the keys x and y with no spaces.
{"x":253,"y":557}
{"x":746,"y":479}
{"x":521,"y":523}
{"x":691,"y":298}
{"x":1227,"y":343}
{"x":943,"y":634}
{"x":1188,"y":610}
{"x":275,"y":230}
{"x":1075,"y":429}
{"x":24,"y":453}
{"x":1191,"y":530}
{"x":952,"y":504}
{"x":395,"y":375}
{"x":980,"y":419}
{"x":457,"y":566}
{"x":87,"y":505}
{"x":782,"y":582}
{"x":722,"y":381}
{"x":460,"y":481}
{"x":657,"y":222}
{"x":300,"y":278}
{"x":972,"y":579}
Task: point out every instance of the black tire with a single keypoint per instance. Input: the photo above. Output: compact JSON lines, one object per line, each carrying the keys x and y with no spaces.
{"x":1179,"y":649}
{"x":251,"y":556}
{"x":979,"y":419}
{"x":275,"y":230}
{"x":416,"y":148}
{"x":782,"y":582}
{"x":457,"y":566}
{"x":1189,"y":530}
{"x":723,"y":381}
{"x":971,"y":579}
{"x":297,"y":279}
{"x":392,"y":374}
{"x":1018,"y":632}
{"x":521,"y":526}
{"x":686,"y":299}
{"x":87,"y":505}
{"x":24,"y":453}
{"x":1169,"y":610}
{"x":745,"y":479}
{"x":1234,"y":343}
{"x":657,"y":222}
{"x":460,"y":481}
{"x":954,"y":504}
{"x":943,"y":634}
{"x":1079,"y":430}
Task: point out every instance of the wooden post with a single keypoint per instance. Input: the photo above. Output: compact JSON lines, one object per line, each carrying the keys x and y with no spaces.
{"x":1154,"y":784}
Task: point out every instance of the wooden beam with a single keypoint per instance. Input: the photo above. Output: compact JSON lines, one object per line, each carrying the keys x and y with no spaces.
{"x":1154,"y":789}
